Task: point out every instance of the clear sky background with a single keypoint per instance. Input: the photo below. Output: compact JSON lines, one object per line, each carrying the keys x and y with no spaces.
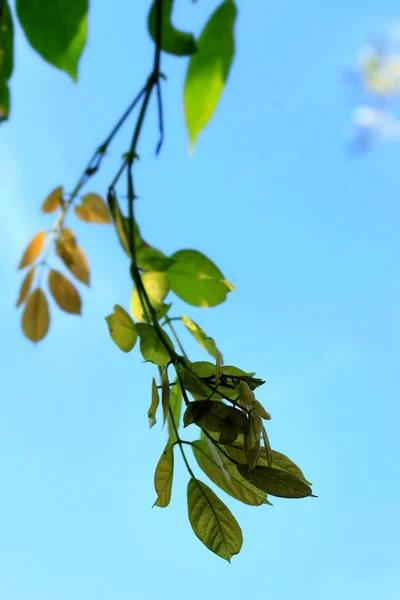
{"x":310,"y":237}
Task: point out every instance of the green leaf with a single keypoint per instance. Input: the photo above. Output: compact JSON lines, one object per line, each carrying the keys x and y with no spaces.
{"x":175,"y":405}
{"x":122,"y":329}
{"x":225,"y":475}
{"x":6,"y":59}
{"x":281,"y":461}
{"x":212,"y":521}
{"x":173,"y":41}
{"x":275,"y":482}
{"x":165,"y":394}
{"x":56,"y":29}
{"x":151,"y":259}
{"x":209,"y":68}
{"x":205,"y":342}
{"x":215,"y":416}
{"x":151,"y":347}
{"x":155,"y":400}
{"x":157,"y":287}
{"x":197,"y":280}
{"x":163,"y":477}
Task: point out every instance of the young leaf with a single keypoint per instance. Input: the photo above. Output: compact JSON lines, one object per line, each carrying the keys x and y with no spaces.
{"x":163,"y":477}
{"x":122,"y":329}
{"x":72,"y":255}
{"x":252,"y":453}
{"x":245,"y":393}
{"x":54,"y":200}
{"x":235,"y":485}
{"x":32,"y":250}
{"x":93,"y":209}
{"x":197,"y":280}
{"x":122,"y":224}
{"x":155,"y":400}
{"x":209,"y":68}
{"x":258,"y":407}
{"x":173,"y":41}
{"x":151,"y":347}
{"x":205,"y":342}
{"x":26,"y":286}
{"x":36,"y":317}
{"x":6,"y":59}
{"x":64,"y":293}
{"x":275,"y":482}
{"x":267,"y":446}
{"x":212,"y":521}
{"x":157,"y":287}
{"x":165,"y":394}
{"x":67,"y":23}
{"x":215,"y":416}
{"x":175,"y":405}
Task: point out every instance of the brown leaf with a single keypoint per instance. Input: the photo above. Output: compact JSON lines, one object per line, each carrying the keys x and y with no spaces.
{"x":32,"y":250}
{"x":72,"y":255}
{"x":93,"y":209}
{"x":36,"y":317}
{"x":64,"y":293}
{"x":54,"y":200}
{"x":26,"y":286}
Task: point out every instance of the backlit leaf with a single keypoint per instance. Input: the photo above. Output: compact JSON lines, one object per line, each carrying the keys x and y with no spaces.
{"x":165,"y":394}
{"x":235,"y":485}
{"x":196,"y":279}
{"x":151,"y":347}
{"x":6,"y":59}
{"x":275,"y":482}
{"x":122,"y":329}
{"x":155,"y":400}
{"x":258,"y":407}
{"x":93,"y":209}
{"x":173,"y":41}
{"x":72,"y":255}
{"x":205,"y":342}
{"x":151,"y":259}
{"x":26,"y":286}
{"x":163,"y":477}
{"x":33,"y":250}
{"x":245,"y":393}
{"x":64,"y":293}
{"x":175,"y":406}
{"x":157,"y":287}
{"x":212,"y":521}
{"x":215,"y":416}
{"x":54,"y":200}
{"x":56,"y":30}
{"x":283,"y":462}
{"x":209,"y":68}
{"x":36,"y":317}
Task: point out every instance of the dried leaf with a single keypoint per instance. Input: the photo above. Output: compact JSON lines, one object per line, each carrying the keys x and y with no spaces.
{"x":155,"y":400}
{"x":33,"y":250}
{"x":54,"y":200}
{"x":36,"y":317}
{"x":93,"y":209}
{"x":72,"y":255}
{"x":26,"y":286}
{"x":163,"y":477}
{"x":64,"y":293}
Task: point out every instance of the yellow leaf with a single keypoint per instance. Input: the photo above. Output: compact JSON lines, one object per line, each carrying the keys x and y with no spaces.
{"x":72,"y":255}
{"x":64,"y":293}
{"x":163,"y":477}
{"x":122,"y":329}
{"x":36,"y":317}
{"x":33,"y":250}
{"x":26,"y":286}
{"x":157,"y":287}
{"x":54,"y":200}
{"x":93,"y":210}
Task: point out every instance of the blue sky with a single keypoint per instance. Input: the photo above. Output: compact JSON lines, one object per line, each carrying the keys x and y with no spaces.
{"x":307,"y":233}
